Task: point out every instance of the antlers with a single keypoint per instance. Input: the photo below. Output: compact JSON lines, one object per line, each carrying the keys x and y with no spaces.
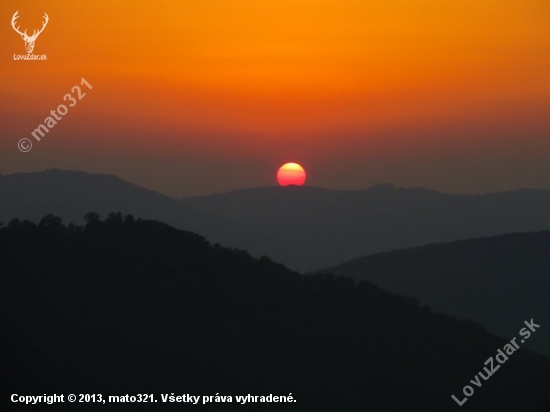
{"x":35,"y":33}
{"x":15,"y":17}
{"x":43,"y":26}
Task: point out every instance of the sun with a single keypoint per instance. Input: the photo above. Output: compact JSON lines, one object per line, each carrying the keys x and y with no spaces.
{"x":291,"y":174}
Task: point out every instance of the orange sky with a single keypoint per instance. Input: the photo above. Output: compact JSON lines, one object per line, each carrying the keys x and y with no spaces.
{"x":201,"y":96}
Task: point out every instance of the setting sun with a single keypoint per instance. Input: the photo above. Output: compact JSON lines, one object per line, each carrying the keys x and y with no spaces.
{"x":291,"y":174}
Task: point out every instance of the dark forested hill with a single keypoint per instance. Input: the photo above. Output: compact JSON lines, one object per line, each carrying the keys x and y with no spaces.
{"x":497,"y":281}
{"x":137,"y":307}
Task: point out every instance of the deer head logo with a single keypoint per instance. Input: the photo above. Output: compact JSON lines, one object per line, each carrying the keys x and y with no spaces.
{"x":29,"y":40}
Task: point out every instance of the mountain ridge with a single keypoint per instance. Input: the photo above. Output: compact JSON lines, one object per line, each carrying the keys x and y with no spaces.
{"x":306,"y":228}
{"x":493,"y":280}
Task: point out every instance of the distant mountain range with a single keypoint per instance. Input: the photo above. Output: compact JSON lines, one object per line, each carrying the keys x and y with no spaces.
{"x":121,"y":306}
{"x":305,"y":228}
{"x":70,"y":195}
{"x":497,"y":281}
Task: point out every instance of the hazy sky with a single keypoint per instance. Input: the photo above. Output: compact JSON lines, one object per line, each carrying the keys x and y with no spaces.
{"x":193,"y":97}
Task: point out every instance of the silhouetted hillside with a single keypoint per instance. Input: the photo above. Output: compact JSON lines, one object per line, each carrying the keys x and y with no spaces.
{"x":71,"y":194}
{"x":497,"y":281}
{"x":306,"y":228}
{"x":137,"y":307}
{"x":310,"y":228}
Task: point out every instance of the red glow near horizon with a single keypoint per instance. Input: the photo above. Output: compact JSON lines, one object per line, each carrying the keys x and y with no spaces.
{"x":291,"y":174}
